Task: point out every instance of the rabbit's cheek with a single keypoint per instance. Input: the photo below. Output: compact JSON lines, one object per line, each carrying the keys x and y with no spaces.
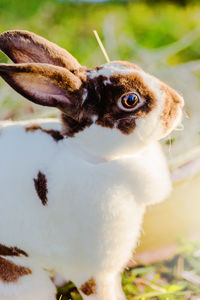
{"x":126,"y":125}
{"x":70,"y":126}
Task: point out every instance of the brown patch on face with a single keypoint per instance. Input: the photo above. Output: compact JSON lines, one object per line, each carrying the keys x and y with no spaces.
{"x":102,"y":101}
{"x":11,"y":251}
{"x":71,"y":126}
{"x":133,"y":82}
{"x":103,"y":94}
{"x":41,"y":187}
{"x":10,"y":272}
{"x":55,"y":134}
{"x":89,"y":287}
{"x":126,"y":126}
{"x":173,"y":103}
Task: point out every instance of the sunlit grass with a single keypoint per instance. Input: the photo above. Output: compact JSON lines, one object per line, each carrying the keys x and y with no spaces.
{"x":174,"y":279}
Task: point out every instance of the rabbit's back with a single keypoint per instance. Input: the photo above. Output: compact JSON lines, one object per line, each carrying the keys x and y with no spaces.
{"x":60,"y":202}
{"x":24,"y":155}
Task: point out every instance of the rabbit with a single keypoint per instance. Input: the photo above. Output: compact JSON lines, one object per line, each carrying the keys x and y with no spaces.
{"x":73,"y":192}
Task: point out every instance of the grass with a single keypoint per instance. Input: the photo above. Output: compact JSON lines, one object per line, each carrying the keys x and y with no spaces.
{"x":177,"y":278}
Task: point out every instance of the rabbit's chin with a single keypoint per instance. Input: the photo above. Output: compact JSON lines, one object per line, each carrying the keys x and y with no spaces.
{"x":110,"y":143}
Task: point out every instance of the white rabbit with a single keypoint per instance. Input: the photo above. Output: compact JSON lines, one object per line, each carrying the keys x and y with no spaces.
{"x":73,"y":193}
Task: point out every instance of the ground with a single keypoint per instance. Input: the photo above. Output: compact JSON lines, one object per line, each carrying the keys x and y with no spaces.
{"x":176,"y":278}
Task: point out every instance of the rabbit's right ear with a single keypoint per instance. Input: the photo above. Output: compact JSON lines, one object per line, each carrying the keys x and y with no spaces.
{"x":26,"y":47}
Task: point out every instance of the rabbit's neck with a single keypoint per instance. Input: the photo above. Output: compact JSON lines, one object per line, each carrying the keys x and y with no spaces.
{"x":98,"y":158}
{"x":108,"y":144}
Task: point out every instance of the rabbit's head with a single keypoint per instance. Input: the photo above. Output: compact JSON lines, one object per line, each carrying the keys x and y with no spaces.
{"x":111,"y":110}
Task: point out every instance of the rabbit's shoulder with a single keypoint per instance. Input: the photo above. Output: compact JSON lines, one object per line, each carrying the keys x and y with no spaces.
{"x":145,"y":173}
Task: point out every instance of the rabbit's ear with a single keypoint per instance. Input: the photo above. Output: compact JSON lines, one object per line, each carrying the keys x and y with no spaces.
{"x":44,"y":84}
{"x":26,"y":47}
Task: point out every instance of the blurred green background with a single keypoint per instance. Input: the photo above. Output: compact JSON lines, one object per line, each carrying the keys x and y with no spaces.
{"x":163,"y":37}
{"x":123,"y":26}
{"x":145,"y":32}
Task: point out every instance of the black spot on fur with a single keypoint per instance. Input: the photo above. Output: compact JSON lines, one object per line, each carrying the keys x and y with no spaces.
{"x":55,"y":134}
{"x":41,"y":187}
{"x":11,"y":251}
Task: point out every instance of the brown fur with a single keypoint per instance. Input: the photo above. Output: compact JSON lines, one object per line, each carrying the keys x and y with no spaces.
{"x":41,"y":187}
{"x":10,"y":272}
{"x":47,"y":79}
{"x":71,"y":126}
{"x":102,"y":96}
{"x":26,"y":47}
{"x":89,"y":287}
{"x":172,"y":104}
{"x":11,"y":251}
{"x":55,"y":134}
{"x":48,"y":75}
{"x":102,"y":101}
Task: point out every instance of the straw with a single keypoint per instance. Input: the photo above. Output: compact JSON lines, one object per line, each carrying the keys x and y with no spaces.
{"x":101,"y":46}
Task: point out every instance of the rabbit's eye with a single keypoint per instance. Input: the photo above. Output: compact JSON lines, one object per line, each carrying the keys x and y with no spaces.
{"x":128,"y":102}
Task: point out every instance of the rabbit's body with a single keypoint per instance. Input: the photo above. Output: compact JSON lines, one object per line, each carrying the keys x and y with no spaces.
{"x":97,"y":206}
{"x":73,"y":194}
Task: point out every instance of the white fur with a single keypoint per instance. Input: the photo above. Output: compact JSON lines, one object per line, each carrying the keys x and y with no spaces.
{"x":84,"y":96}
{"x":37,"y":285}
{"x":91,"y":223}
{"x":110,"y":69}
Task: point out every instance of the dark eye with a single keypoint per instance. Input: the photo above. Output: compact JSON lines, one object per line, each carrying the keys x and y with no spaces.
{"x":128,"y":102}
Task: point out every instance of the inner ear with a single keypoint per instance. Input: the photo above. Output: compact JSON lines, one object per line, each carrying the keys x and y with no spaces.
{"x":26,"y":47}
{"x":44,"y":84}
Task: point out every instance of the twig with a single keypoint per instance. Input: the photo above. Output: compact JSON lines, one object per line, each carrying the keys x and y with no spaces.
{"x":101,"y":46}
{"x":180,"y":267}
{"x":150,"y":284}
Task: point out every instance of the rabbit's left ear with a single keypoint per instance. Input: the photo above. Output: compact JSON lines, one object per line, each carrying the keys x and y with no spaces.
{"x":26,"y":47}
{"x":45,"y":84}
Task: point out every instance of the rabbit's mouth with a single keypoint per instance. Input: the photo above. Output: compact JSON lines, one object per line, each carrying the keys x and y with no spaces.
{"x":125,"y":119}
{"x":128,"y":118}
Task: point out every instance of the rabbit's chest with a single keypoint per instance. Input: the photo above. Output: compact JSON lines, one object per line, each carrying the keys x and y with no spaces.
{"x":55,"y":189}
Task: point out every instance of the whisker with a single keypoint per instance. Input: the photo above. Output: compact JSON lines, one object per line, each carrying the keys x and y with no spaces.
{"x":140,"y":136}
{"x":186,"y":114}
{"x":170,"y":144}
{"x":180,"y":127}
